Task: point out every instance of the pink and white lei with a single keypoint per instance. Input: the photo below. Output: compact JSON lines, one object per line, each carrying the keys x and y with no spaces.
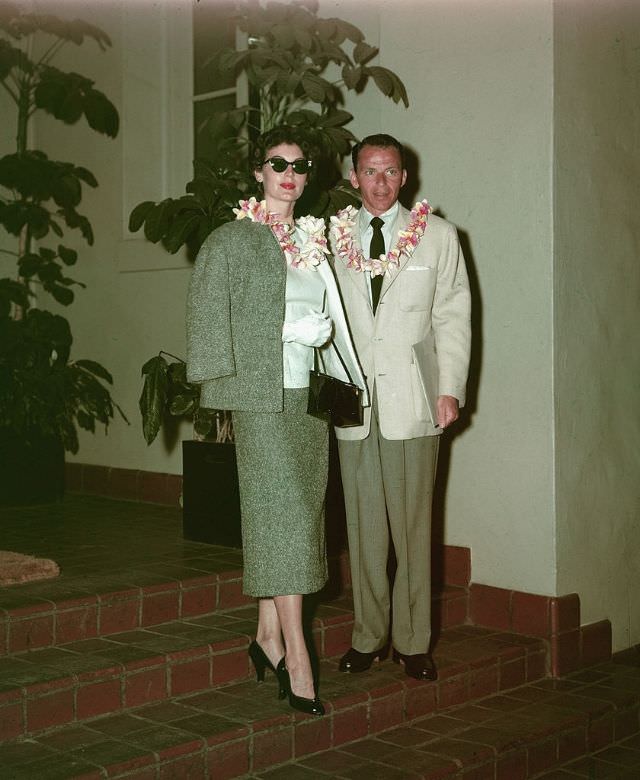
{"x":314,"y":249}
{"x":342,"y":234}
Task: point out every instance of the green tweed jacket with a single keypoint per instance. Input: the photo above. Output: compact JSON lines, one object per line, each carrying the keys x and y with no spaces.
{"x":235,"y":313}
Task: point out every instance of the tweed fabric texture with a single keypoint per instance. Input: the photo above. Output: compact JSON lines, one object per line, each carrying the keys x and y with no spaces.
{"x":282,"y":472}
{"x":234,"y":316}
{"x":235,"y":310}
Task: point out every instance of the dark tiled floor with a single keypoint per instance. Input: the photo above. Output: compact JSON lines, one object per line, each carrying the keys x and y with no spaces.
{"x":92,"y":535}
{"x":102,"y":544}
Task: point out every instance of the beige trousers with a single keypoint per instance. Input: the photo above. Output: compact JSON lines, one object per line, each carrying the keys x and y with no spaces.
{"x":388,"y":486}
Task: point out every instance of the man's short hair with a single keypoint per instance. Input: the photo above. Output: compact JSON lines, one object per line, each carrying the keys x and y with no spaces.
{"x":381,"y":140}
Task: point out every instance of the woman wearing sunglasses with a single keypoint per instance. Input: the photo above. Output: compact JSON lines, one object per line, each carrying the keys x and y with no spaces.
{"x":262,"y":297}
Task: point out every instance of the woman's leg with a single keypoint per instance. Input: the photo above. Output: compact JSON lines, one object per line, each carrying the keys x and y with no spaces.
{"x":269,"y":633}
{"x":289,"y":609}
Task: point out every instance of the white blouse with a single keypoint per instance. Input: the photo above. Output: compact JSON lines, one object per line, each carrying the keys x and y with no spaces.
{"x":305,"y":292}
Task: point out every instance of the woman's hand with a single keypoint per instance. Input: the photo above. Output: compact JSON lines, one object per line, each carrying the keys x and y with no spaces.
{"x":312,"y":330}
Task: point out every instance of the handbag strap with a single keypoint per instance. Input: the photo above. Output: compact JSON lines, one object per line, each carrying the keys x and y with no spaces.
{"x":316,"y":351}
{"x":333,"y":344}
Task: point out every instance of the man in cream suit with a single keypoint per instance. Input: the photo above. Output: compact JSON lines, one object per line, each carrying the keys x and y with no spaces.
{"x":409,"y":315}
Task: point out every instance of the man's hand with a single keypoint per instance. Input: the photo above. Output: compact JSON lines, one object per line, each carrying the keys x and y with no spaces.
{"x":448,"y":410}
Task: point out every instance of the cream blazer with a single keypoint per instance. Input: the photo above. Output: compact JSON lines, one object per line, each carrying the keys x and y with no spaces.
{"x":417,"y":345}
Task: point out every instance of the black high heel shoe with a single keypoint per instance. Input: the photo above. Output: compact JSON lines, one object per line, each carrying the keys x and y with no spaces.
{"x":308,"y":706}
{"x":261,"y":662}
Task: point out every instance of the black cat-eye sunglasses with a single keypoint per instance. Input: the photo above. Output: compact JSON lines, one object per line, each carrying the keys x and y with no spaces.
{"x":280,"y":165}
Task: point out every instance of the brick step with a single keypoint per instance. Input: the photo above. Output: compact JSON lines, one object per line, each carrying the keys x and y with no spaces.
{"x":78,"y":607}
{"x":238,"y":728}
{"x":50,"y":686}
{"x":584,"y":725}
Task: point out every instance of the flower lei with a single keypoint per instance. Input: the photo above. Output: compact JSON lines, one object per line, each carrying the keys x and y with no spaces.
{"x":312,"y":252}
{"x":342,"y":233}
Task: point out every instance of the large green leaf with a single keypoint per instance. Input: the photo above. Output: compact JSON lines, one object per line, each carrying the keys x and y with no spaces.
{"x":77,"y":221}
{"x":156,"y":222}
{"x":10,"y":58}
{"x":13,"y":292}
{"x":139,"y":215}
{"x":181,"y":405}
{"x":182,"y":230}
{"x":29,"y":265}
{"x":388,"y":83}
{"x":14,"y":216}
{"x":96,"y":369}
{"x":362,"y":52}
{"x":68,"y":96}
{"x":35,"y":177}
{"x":68,"y":256}
{"x":63,"y":295}
{"x":100,"y":113}
{"x":318,"y":90}
{"x":153,"y":399}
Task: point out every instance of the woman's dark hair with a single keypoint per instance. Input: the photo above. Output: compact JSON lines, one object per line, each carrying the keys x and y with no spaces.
{"x":381,"y":140}
{"x":285,"y":134}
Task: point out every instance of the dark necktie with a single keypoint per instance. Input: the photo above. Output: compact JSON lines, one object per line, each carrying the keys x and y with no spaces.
{"x":375,"y":250}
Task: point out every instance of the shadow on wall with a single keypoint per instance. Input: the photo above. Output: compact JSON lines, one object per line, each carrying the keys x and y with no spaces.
{"x":466,"y":416}
{"x":410,"y":193}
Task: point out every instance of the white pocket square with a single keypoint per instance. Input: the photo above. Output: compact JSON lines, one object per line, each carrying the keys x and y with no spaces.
{"x":418,"y":268}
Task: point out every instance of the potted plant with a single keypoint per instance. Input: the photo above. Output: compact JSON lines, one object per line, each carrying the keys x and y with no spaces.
{"x":44,"y":394}
{"x":210,"y":481}
{"x":289,"y":55}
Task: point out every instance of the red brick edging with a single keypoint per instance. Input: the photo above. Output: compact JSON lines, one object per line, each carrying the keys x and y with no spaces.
{"x":553,"y":618}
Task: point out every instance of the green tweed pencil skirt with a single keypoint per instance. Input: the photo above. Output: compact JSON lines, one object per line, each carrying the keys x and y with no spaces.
{"x":282,"y":473}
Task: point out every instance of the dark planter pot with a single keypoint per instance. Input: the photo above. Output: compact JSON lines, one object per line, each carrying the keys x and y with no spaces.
{"x":210,"y":496}
{"x":31,"y":473}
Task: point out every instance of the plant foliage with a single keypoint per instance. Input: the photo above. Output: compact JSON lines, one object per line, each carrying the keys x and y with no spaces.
{"x":42,"y":391}
{"x":166,"y":390}
{"x":299,"y":67}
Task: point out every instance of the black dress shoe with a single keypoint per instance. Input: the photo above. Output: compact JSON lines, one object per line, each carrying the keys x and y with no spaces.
{"x":262,"y":662}
{"x":419,"y":666}
{"x":354,"y":661}
{"x":308,"y":706}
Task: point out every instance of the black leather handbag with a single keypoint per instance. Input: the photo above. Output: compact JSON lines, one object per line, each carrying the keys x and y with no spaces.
{"x":331,"y":399}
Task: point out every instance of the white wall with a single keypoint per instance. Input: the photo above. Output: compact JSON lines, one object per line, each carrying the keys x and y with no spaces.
{"x":479,"y":77}
{"x":134,"y":302}
{"x":597,"y":303}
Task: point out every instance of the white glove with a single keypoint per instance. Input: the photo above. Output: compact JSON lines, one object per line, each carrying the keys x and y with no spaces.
{"x":312,"y":330}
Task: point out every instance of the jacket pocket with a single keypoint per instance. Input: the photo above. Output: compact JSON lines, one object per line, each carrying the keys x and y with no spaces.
{"x":416,"y":289}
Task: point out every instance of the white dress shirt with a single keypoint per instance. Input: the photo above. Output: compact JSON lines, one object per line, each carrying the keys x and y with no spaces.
{"x":366,"y":232}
